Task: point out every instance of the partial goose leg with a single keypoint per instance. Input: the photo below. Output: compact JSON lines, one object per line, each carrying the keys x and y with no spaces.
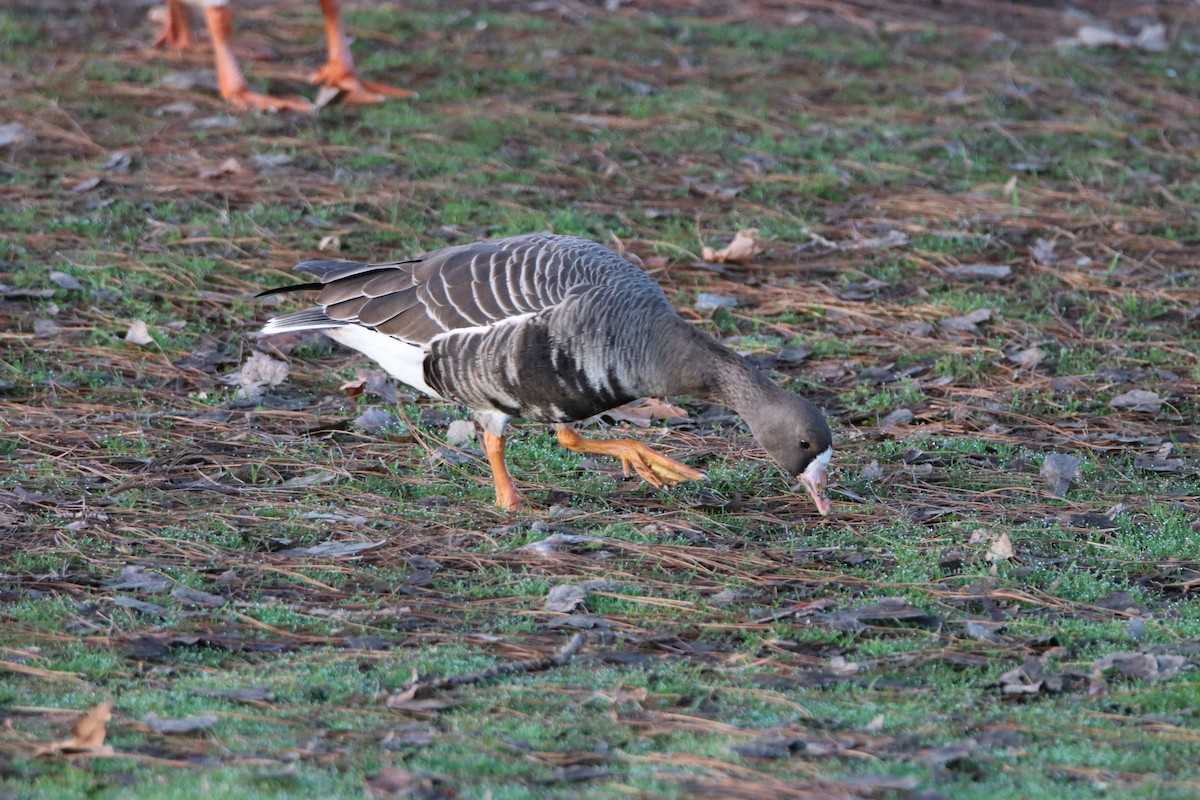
{"x":229,"y":78}
{"x":655,"y":468}
{"x":176,"y":33}
{"x":507,"y":496}
{"x":338,"y":71}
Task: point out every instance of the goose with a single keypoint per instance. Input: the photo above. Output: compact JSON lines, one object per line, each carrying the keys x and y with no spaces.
{"x":554,"y":329}
{"x":338,"y":72}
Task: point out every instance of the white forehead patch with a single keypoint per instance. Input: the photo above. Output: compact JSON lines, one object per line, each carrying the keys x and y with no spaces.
{"x":816,"y":468}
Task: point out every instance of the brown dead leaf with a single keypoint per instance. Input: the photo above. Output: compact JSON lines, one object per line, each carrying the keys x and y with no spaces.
{"x":645,"y":411}
{"x":353,"y":388}
{"x":741,"y":250}
{"x":1000,"y":550}
{"x":229,"y":166}
{"x":89,"y":731}
{"x":87,"y":736}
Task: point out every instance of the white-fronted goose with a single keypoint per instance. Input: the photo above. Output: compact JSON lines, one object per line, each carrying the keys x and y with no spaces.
{"x":553,"y":329}
{"x":338,"y":72}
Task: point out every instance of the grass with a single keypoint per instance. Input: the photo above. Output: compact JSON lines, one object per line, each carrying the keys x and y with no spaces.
{"x":731,"y":617}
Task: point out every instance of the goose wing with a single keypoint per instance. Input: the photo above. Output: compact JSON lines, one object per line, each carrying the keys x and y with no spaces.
{"x":470,"y":286}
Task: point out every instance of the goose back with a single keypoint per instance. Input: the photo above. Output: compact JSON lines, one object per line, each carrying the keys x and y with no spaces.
{"x":551,"y":328}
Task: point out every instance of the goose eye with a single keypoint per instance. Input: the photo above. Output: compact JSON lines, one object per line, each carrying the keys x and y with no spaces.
{"x":805,"y":445}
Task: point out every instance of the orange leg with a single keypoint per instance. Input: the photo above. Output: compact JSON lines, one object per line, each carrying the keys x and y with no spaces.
{"x":655,"y":468}
{"x":506,"y":494}
{"x":177,"y":33}
{"x":229,"y":78}
{"x":338,"y":72}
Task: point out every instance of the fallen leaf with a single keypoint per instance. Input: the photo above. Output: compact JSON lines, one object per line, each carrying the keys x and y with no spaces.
{"x":983,"y":631}
{"x":768,"y":748}
{"x":1137,"y":400}
{"x":1058,"y":470}
{"x":138,"y":333}
{"x":979,"y":272}
{"x":460,"y":432}
{"x":893,"y":421}
{"x":564,"y":598}
{"x":374,"y":420}
{"x":353,"y":388}
{"x":181,"y":725}
{"x":1157,"y":463}
{"x":89,"y":731}
{"x":330,"y":549}
{"x":186,"y":594}
{"x":330,"y":244}
{"x":272,"y":159}
{"x":138,"y":577}
{"x":707,"y":301}
{"x":181,"y":107}
{"x":1090,"y":520}
{"x":968,"y":322}
{"x":888,"y":609}
{"x":309,"y":479}
{"x":393,"y":782}
{"x":741,"y":250}
{"x":1028,"y":358}
{"x":229,"y":166}
{"x":1043,"y":252}
{"x":553,"y":544}
{"x":259,"y":372}
{"x":794,"y":354}
{"x":891,"y":239}
{"x":1000,"y":550}
{"x":643,"y":412}
{"x":153,"y":609}
{"x":1151,"y":38}
{"x":579,"y":621}
{"x":46,"y":328}
{"x":13,"y":134}
{"x":250,"y":694}
{"x":1142,"y":666}
{"x":66,"y":281}
{"x":86,"y":185}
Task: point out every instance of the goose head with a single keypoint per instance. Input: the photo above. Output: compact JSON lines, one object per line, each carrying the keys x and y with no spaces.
{"x":796,"y":435}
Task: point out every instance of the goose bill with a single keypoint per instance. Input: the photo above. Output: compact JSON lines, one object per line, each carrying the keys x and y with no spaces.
{"x":813,"y":479}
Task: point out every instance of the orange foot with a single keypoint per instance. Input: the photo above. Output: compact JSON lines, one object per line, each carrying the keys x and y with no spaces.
{"x":654,"y":468}
{"x":353,"y":91}
{"x":246,"y":100}
{"x":176,"y":33}
{"x":507,"y":496}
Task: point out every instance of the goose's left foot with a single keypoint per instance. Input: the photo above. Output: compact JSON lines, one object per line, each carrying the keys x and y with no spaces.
{"x":655,"y":468}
